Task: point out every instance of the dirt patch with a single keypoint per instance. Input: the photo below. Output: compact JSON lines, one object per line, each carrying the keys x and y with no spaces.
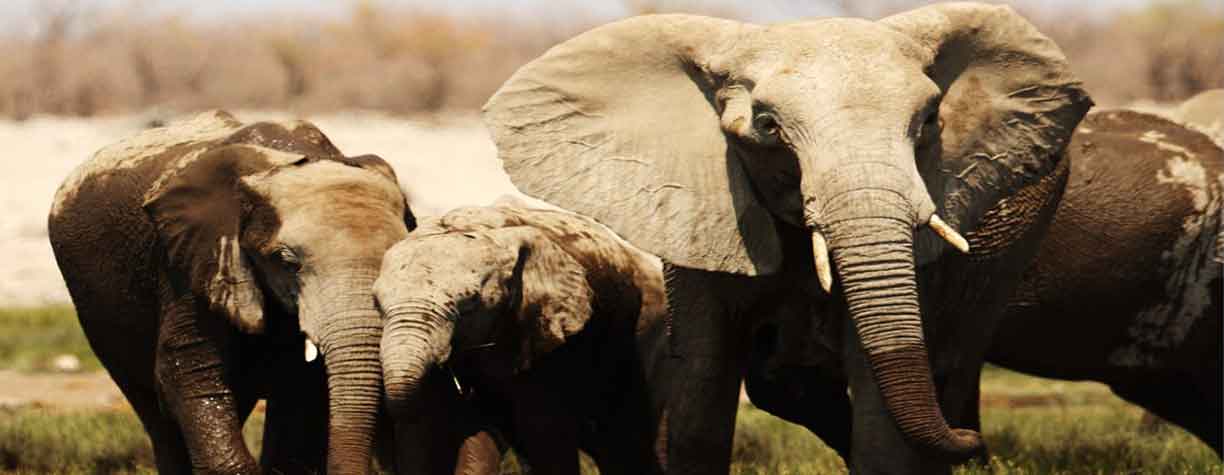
{"x":59,"y":390}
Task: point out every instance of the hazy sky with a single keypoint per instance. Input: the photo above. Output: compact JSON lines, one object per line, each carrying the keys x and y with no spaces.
{"x":18,"y":15}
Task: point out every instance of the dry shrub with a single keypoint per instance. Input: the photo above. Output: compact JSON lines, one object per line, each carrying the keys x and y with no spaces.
{"x":404,"y":61}
{"x":1167,"y":51}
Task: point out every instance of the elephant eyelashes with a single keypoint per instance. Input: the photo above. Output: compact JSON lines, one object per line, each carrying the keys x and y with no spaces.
{"x":766,"y":123}
{"x":930,"y":127}
{"x":288,"y":259}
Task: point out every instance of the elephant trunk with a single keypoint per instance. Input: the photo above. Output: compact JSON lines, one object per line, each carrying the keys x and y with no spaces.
{"x":348,"y":337}
{"x":870,"y":231}
{"x":416,"y":338}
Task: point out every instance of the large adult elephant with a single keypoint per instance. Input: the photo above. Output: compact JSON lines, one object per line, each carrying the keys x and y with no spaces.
{"x":204,"y":258}
{"x":712,"y":142}
{"x":1126,"y":288}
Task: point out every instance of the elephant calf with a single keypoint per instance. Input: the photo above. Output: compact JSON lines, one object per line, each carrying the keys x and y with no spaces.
{"x":535,"y":313}
{"x":205,"y":258}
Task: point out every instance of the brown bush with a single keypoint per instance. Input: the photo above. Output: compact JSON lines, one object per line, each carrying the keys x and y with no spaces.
{"x":83,"y":62}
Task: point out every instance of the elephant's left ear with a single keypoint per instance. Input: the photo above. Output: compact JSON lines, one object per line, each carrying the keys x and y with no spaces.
{"x":198,"y":210}
{"x":555,"y":300}
{"x":1010,"y":104}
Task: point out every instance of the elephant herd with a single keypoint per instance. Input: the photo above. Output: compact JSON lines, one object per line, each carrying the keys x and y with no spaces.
{"x":847,"y":217}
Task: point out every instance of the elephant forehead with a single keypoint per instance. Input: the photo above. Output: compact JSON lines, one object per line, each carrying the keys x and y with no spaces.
{"x":445,"y":254}
{"x":352,"y":210}
{"x":830,"y":41}
{"x":326,"y":186}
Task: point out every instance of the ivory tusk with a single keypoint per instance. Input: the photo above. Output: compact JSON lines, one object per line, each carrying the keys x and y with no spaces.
{"x":948,"y":234}
{"x":312,"y":351}
{"x":820,"y":251}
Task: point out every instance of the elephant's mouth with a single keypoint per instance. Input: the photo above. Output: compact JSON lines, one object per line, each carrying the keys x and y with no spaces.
{"x":824,"y":267}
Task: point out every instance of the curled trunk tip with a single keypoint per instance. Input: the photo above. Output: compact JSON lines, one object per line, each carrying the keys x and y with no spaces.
{"x":875,"y":264}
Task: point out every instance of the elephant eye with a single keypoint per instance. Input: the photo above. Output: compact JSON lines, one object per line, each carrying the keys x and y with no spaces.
{"x":930,"y":127}
{"x":289,"y":259}
{"x":766,"y":123}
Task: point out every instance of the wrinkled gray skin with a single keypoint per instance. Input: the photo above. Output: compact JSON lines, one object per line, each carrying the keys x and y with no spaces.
{"x":1205,"y":112}
{"x":536,"y":313}
{"x":199,"y":256}
{"x":1125,"y":289}
{"x":707,"y":142}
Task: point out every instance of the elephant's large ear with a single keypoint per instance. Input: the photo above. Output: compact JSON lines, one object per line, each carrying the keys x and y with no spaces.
{"x":1010,"y":104}
{"x":198,"y":211}
{"x":621,"y":124}
{"x":554,"y":300}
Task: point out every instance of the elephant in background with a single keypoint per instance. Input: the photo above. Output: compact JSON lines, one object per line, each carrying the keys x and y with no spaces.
{"x":211,"y":263}
{"x":1204,"y":111}
{"x":1126,"y":288}
{"x":838,"y":148}
{"x":535,"y":314}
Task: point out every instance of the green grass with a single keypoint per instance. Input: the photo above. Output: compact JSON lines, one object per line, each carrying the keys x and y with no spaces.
{"x":37,"y":440}
{"x":30,"y":338}
{"x":1032,"y":426}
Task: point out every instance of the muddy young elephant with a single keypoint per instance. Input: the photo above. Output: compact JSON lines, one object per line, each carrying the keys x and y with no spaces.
{"x":708,"y":142}
{"x":1126,"y":288}
{"x":210,"y":262}
{"x":535,"y":314}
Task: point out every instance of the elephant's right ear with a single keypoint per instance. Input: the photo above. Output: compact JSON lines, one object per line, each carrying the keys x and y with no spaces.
{"x":555,"y":300}
{"x":621,"y":124}
{"x":198,"y":211}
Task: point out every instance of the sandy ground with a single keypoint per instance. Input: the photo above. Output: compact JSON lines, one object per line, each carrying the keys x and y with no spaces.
{"x":60,"y":390}
{"x":443,"y":164}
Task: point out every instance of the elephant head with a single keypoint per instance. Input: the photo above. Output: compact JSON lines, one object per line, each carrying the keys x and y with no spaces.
{"x":253,"y":231}
{"x":495,"y":289}
{"x":689,"y":136}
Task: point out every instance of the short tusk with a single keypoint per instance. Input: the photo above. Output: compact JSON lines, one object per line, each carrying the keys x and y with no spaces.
{"x":312,"y":351}
{"x":948,"y":234}
{"x":820,"y":251}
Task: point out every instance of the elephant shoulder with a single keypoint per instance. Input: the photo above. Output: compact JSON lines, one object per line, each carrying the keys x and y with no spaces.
{"x":148,"y":154}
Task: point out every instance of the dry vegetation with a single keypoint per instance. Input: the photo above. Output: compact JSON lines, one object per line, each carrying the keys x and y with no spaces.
{"x":82,"y":61}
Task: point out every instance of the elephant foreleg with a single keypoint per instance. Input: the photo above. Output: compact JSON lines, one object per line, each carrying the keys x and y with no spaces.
{"x":545,"y":432}
{"x":806,"y":396}
{"x":194,"y":386}
{"x":295,"y":428}
{"x":702,"y":376}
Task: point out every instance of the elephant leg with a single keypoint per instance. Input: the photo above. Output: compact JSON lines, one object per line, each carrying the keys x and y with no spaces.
{"x":295,"y":426}
{"x":703,"y":374}
{"x":191,"y":375}
{"x":808,"y":397}
{"x":545,"y":432}
{"x":1194,"y":407}
{"x":169,"y":450}
{"x":479,"y":454}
